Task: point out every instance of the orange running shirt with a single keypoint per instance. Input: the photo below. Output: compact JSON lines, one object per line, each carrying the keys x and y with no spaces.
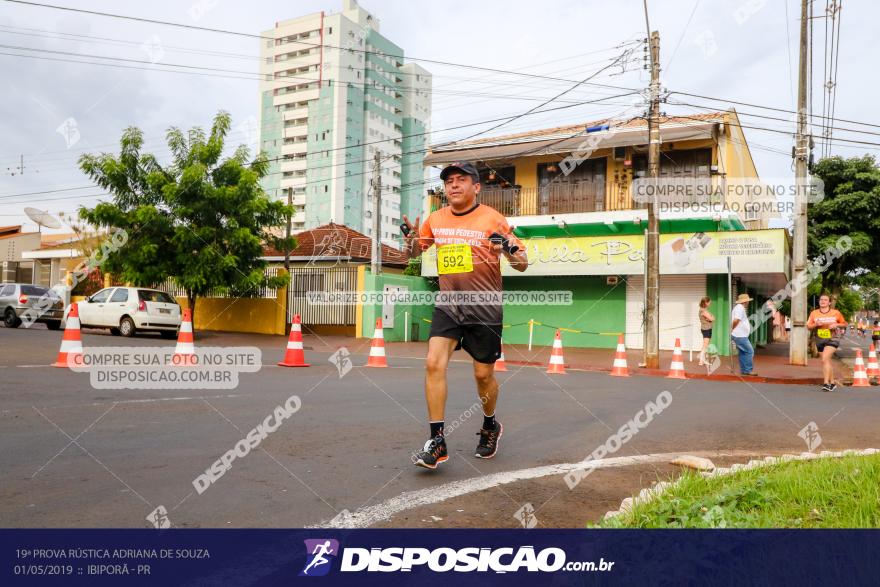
{"x":465,"y":259}
{"x":826,"y":324}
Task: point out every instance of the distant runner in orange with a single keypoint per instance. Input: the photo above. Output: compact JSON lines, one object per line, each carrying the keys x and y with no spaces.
{"x":827,"y":325}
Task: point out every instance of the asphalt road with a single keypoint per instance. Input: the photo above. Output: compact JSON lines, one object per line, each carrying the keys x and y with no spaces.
{"x":75,"y":456}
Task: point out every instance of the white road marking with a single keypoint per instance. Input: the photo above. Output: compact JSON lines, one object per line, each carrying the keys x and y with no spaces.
{"x":368,"y":516}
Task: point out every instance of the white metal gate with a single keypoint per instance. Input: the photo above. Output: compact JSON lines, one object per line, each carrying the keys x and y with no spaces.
{"x":679,"y":302}
{"x":321,"y":279}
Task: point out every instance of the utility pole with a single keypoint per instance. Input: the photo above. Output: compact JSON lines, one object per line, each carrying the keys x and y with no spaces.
{"x":289,"y":227}
{"x":652,"y":284}
{"x":797,"y":347}
{"x":376,"y":256}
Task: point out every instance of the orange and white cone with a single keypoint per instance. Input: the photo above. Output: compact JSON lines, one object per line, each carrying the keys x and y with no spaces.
{"x":377,"y":348}
{"x":619,"y":368}
{"x":557,"y":363}
{"x":185,"y":351}
{"x":873,"y":366}
{"x":860,"y":376}
{"x":500,"y":365}
{"x":294,"y":356}
{"x":676,"y":369}
{"x":71,"y":350}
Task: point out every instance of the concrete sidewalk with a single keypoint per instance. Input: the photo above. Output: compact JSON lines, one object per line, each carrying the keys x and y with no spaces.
{"x":771,"y":362}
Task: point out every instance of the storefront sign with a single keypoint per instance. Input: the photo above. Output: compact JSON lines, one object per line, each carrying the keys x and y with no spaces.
{"x":751,"y":251}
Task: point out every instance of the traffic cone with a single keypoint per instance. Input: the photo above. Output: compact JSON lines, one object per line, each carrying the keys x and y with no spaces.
{"x":557,"y":363}
{"x":294,"y":356}
{"x":71,"y":343}
{"x":377,"y":348}
{"x":619,"y":368}
{"x":185,"y":351}
{"x":676,"y":369}
{"x":500,"y":365}
{"x":873,"y":366}
{"x":860,"y":377}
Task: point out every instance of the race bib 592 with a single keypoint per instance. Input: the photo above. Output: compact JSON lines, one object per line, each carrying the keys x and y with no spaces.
{"x":454,"y":259}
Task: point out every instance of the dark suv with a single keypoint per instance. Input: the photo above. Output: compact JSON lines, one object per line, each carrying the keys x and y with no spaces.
{"x":21,"y":302}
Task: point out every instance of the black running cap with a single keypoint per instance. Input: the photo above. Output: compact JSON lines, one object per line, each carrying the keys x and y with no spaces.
{"x":461,"y":167}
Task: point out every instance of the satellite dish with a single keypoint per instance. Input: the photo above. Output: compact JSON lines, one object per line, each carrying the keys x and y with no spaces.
{"x":42,"y":217}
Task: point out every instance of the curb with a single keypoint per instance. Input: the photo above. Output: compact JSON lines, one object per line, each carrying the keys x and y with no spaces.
{"x":662,"y":373}
{"x":650,"y":493}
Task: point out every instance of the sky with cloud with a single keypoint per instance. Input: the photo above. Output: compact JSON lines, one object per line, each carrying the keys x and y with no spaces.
{"x":53,"y":109}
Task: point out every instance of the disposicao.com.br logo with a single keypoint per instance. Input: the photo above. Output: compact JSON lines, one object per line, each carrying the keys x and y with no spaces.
{"x":321,"y":552}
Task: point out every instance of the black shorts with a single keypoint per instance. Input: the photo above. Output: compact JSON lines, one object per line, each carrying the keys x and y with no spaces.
{"x":821,"y":343}
{"x":481,"y":341}
{"x":707,"y":333}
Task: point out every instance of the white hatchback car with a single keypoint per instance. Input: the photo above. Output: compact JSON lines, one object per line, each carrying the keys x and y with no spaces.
{"x":128,"y":310}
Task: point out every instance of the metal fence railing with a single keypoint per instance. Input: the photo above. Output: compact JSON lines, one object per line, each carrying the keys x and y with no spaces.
{"x":171,"y":287}
{"x":302,"y":281}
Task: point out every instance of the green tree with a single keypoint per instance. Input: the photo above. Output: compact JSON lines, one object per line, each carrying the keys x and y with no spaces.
{"x":202,"y":220}
{"x":851,"y":207}
{"x":413,"y":266}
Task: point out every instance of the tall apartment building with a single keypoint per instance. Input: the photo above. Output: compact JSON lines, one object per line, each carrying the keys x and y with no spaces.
{"x":333,"y":92}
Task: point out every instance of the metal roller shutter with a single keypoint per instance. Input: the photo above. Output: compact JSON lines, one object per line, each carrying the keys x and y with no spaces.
{"x":679,"y":299}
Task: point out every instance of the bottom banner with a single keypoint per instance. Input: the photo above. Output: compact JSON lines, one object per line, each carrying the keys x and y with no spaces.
{"x":434,"y":557}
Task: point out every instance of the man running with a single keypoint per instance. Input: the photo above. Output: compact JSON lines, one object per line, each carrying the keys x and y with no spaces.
{"x":467,"y":261}
{"x":827,"y":325}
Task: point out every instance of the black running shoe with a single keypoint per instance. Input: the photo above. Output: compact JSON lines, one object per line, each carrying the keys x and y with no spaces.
{"x":489,"y":440}
{"x":826,"y":387}
{"x":832,"y":387}
{"x":432,"y":454}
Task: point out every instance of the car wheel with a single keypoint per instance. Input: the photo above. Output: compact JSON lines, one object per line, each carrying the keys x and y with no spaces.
{"x":115,"y":331}
{"x":126,"y":327}
{"x":168,"y":334}
{"x":53,"y":324}
{"x":10,"y":320}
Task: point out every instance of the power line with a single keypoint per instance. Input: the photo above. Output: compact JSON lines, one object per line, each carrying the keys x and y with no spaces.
{"x":365,"y":144}
{"x":225,"y":73}
{"x":752,"y":105}
{"x":833,"y":106}
{"x":60,"y":35}
{"x":316,"y":45}
{"x":556,"y":97}
{"x":281,"y":158}
{"x":779,"y":131}
{"x":764,"y":116}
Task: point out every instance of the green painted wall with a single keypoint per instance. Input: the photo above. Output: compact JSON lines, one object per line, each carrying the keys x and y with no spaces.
{"x":596,"y":307}
{"x":418,"y":314}
{"x":716,"y":288}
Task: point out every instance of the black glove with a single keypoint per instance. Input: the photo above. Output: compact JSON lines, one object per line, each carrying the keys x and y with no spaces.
{"x":497,"y":239}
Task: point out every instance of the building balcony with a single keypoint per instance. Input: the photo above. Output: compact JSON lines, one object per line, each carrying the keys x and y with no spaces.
{"x":551,"y":199}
